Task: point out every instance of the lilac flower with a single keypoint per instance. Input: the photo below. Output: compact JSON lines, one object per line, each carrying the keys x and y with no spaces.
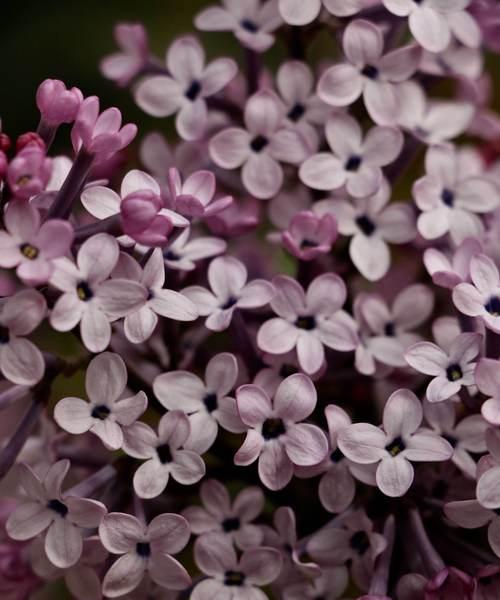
{"x":260,"y":147}
{"x":466,"y":436}
{"x":227,"y":277}
{"x":447,"y":272}
{"x":57,"y":104}
{"x":252,"y":23}
{"x":369,"y":73}
{"x":487,"y":378}
{"x":229,"y":577}
{"x":144,"y":550}
{"x":206,"y":402}
{"x":372,"y":224}
{"x":355,"y":161}
{"x":233,"y":520}
{"x":184,"y":90}
{"x":393,"y":447}
{"x":451,"y":369}
{"x":472,"y":514}
{"x":275,"y":433}
{"x":482,"y":297}
{"x":329,"y":585}
{"x":194,"y":196}
{"x":181,"y":253}
{"x":432,"y":22}
{"x":449,"y":197}
{"x":123,"y":66}
{"x":236,"y":219}
{"x":29,"y":172}
{"x":355,"y":540}
{"x":30,"y":245}
{"x":88,"y":297}
{"x":163,"y":454}
{"x":139,"y":325}
{"x":104,"y":414}
{"x":47,"y":509}
{"x":296,"y":12}
{"x":308,"y":321}
{"x":100,"y":134}
{"x":309,"y":235}
{"x":20,"y":360}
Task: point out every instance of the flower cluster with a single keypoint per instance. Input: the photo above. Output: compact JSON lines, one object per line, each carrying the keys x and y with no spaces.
{"x":265,"y":361}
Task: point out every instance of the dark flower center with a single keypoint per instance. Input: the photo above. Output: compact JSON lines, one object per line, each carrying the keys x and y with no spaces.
{"x":83,"y":291}
{"x":366,"y":225}
{"x":296,"y":112}
{"x":396,"y":446}
{"x":493,"y":306}
{"x":440,"y":489}
{"x":231,"y":524}
{"x":389,"y":329}
{"x":170,"y":255}
{"x":231,"y":301}
{"x":249,"y":25}
{"x":234,"y":578}
{"x":29,"y":251}
{"x":336,"y":456}
{"x":273,"y":428}
{"x":143,"y":549}
{"x":287,"y":370}
{"x":370,"y":71}
{"x":448,"y":197}
{"x":450,"y":439}
{"x":454,"y":372}
{"x":100,"y":412}
{"x":258,"y":143}
{"x":353,"y":163}
{"x":307,"y":322}
{"x":360,"y":542}
{"x":4,"y":335}
{"x":23,"y":180}
{"x":210,"y":401}
{"x":58,"y":507}
{"x":164,"y":454}
{"x":308,"y":244}
{"x":193,"y":91}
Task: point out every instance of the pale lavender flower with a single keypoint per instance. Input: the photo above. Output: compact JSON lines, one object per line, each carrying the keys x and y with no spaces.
{"x":297,"y":12}
{"x":104,"y":414}
{"x":276,"y":436}
{"x":207,"y":403}
{"x":394,"y":447}
{"x":487,"y":378}
{"x":329,"y":585}
{"x":183,"y":252}
{"x":449,"y":272}
{"x":233,"y":519}
{"x":227,"y":277}
{"x":123,"y":66}
{"x":144,"y":549}
{"x":194,"y":196}
{"x":46,"y":508}
{"x":309,"y":235}
{"x":184,"y":90}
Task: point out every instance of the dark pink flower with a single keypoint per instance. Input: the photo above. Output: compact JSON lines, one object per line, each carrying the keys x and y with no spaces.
{"x":29,"y":172}
{"x":57,"y":104}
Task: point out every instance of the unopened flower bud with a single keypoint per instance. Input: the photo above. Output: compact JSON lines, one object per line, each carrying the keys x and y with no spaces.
{"x":56,"y":103}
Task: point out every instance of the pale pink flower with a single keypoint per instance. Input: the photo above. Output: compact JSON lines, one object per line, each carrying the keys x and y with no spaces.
{"x":369,"y":73}
{"x":123,"y":66}
{"x":252,"y":22}
{"x":234,"y":520}
{"x":329,"y":585}
{"x":298,"y":12}
{"x":100,"y":134}
{"x":450,"y":196}
{"x":433,"y":22}
{"x":230,"y":577}
{"x":451,"y":368}
{"x":449,"y":272}
{"x":390,"y":329}
{"x":482,"y":297}
{"x":309,"y":235}
{"x":144,"y":550}
{"x":89,"y":297}
{"x":31,"y":245}
{"x":20,"y":360}
{"x":478,"y":89}
{"x":29,"y":172}
{"x":163,"y":453}
{"x":194,"y":196}
{"x":184,"y":90}
{"x":227,"y":277}
{"x":48,"y":509}
{"x":276,"y":436}
{"x":456,"y":60}
{"x":207,"y":403}
{"x":260,"y":148}
{"x":104,"y":414}
{"x":308,"y":321}
{"x":373,"y":224}
{"x":57,"y":104}
{"x":140,"y":324}
{"x":393,"y":447}
{"x":237,"y":219}
{"x":356,"y":159}
{"x":354,"y":540}
{"x":487,"y":378}
{"x":184,"y":251}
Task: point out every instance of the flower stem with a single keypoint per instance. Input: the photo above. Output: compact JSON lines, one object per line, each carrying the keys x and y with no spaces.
{"x":86,"y":487}
{"x":243,"y":344}
{"x":111,"y":225}
{"x":12,"y":394}
{"x":431,"y":559}
{"x":380,"y":579}
{"x":47,"y":133}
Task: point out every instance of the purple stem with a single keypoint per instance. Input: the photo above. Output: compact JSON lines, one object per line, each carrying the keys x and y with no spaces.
{"x":111,"y":225}
{"x":86,"y":487}
{"x":431,"y":559}
{"x":46,"y":132}
{"x":380,"y":579}
{"x":13,"y":394}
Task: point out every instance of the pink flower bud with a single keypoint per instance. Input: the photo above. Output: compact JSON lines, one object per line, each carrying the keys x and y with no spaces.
{"x":56,"y":103}
{"x":4,"y":163}
{"x":29,"y":172}
{"x":141,"y":219}
{"x":29,"y":138}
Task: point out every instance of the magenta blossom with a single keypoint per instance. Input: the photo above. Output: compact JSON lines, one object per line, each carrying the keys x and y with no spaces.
{"x":57,"y":104}
{"x":29,"y":172}
{"x":123,"y":66}
{"x":308,"y":235}
{"x":194,"y":196}
{"x":276,"y":436}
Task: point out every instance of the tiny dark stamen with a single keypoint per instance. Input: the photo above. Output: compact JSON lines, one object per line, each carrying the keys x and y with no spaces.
{"x":390,"y":329}
{"x":396,"y":446}
{"x":353,"y":163}
{"x":336,"y":456}
{"x":164,"y":454}
{"x":58,"y":507}
{"x":234,"y":578}
{"x":84,"y":291}
{"x":210,"y":401}
{"x":4,"y":335}
{"x":100,"y":412}
{"x":231,"y":301}
{"x":306,"y":322}
{"x":231,"y":524}
{"x":450,"y":439}
{"x":296,"y":112}
{"x":29,"y":251}
{"x":273,"y":428}
{"x":366,"y":225}
{"x":193,"y":91}
{"x":151,"y":294}
{"x":308,"y":244}
{"x":448,"y":197}
{"x":259,"y":143}
{"x":454,"y":372}
{"x":360,"y":542}
{"x":370,"y":71}
{"x":249,"y":25}
{"x":143,"y":549}
{"x":493,"y":306}
{"x":170,"y":255}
